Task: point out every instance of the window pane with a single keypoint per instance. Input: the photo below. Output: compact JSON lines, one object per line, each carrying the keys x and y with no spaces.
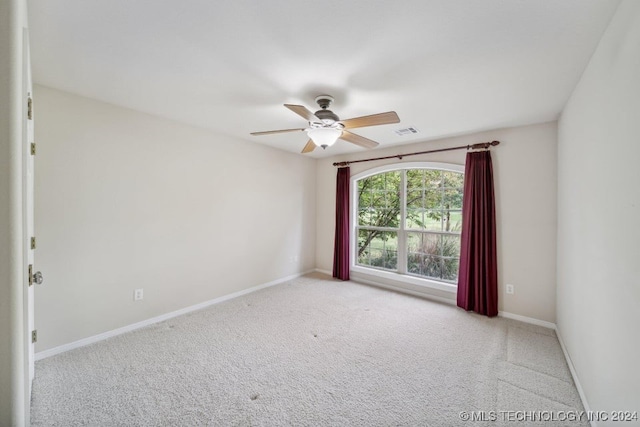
{"x":453,"y":179}
{"x":452,"y":198}
{"x":364,"y":218}
{"x":392,"y":181}
{"x":433,"y":178}
{"x":431,"y":244}
{"x":433,"y":220}
{"x":377,"y":181}
{"x":433,"y":255}
{"x":452,"y":221}
{"x":364,"y":197}
{"x":363,"y":257}
{"x":391,"y":259}
{"x":391,"y":218}
{"x":364,"y":247}
{"x":379,"y":200}
{"x":432,"y":267}
{"x":414,"y":242}
{"x":365,"y":200}
{"x":414,"y":263}
{"x":424,"y":243}
{"x":450,"y":269}
{"x":390,"y":199}
{"x":415,"y":219}
{"x":450,"y":246}
{"x":415,"y":179}
{"x":378,"y":249}
{"x":432,"y":198}
{"x":376,"y":258}
{"x":415,"y":199}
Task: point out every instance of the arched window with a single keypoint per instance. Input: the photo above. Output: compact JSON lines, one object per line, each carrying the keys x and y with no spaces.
{"x":407,"y":219}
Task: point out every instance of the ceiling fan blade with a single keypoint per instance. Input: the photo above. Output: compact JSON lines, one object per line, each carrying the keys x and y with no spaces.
{"x":267,"y":132}
{"x":302,"y":112}
{"x":372,"y":120}
{"x":358,"y":140}
{"x":309,"y":147}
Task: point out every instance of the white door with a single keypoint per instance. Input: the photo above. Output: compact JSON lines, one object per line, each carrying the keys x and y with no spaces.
{"x":31,"y":275}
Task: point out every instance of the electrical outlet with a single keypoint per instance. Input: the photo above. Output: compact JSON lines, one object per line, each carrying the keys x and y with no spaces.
{"x":510,"y":289}
{"x":138,"y":295}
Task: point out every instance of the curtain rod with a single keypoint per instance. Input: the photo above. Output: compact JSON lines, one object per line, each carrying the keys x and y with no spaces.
{"x":481,"y":145}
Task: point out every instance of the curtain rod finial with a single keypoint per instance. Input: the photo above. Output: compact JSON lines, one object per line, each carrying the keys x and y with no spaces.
{"x":483,"y":145}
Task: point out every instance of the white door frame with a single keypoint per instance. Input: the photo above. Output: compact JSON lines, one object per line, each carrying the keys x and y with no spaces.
{"x":28,"y":210}
{"x":14,"y":371}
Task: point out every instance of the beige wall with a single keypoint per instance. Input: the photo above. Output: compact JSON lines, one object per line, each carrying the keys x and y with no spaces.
{"x":598,"y":214}
{"x":525,"y":186}
{"x":125,"y":200}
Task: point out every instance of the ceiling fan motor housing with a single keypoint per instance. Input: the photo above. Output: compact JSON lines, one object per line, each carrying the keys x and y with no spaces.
{"x":327,"y":116}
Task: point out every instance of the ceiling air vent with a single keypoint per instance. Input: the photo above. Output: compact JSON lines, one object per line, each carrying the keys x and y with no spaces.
{"x":406,"y":131}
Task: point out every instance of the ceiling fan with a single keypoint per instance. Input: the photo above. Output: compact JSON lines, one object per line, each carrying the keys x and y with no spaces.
{"x":325,"y":127}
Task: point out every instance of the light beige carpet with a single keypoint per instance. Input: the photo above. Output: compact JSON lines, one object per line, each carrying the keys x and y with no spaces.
{"x":311,"y":352}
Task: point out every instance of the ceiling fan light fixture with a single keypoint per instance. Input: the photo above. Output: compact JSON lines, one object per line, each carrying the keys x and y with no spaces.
{"x":324,"y":137}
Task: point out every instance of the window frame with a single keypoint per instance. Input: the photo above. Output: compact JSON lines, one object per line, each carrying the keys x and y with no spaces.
{"x":400,"y":275}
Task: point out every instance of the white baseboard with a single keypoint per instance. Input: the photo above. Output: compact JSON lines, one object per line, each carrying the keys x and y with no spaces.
{"x":574,"y":375}
{"x":103,"y":336}
{"x":327,"y":272}
{"x":526,"y":319}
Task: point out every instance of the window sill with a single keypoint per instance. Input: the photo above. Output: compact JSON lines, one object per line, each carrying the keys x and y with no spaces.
{"x":404,"y":283}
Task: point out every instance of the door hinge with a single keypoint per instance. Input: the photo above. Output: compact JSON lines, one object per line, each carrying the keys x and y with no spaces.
{"x":33,"y":148}
{"x":33,"y":243}
{"x":34,"y":336}
{"x":30,"y":108}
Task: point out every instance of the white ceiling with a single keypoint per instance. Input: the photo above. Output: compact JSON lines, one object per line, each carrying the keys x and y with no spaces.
{"x":447,"y":67}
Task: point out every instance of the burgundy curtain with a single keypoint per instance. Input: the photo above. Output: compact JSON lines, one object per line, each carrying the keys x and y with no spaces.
{"x":341,"y":247}
{"x":478,"y":275}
